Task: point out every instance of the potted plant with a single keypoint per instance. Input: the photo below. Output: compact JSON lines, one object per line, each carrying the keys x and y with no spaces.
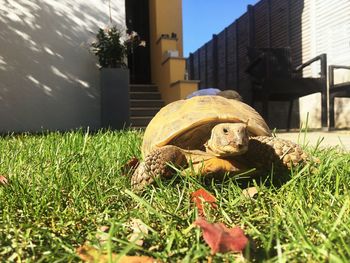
{"x":114,"y":78}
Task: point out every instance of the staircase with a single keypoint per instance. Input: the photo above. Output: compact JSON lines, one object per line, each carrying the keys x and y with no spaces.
{"x":145,"y":102}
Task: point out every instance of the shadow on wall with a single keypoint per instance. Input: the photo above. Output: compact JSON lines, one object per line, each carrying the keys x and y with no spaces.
{"x":48,"y":78}
{"x":341,"y":111}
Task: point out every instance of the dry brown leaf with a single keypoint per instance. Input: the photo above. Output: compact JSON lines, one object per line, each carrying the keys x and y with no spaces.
{"x":200,"y":197}
{"x":139,"y":231}
{"x":250,"y":192}
{"x":91,"y":254}
{"x":3,"y":180}
{"x":102,"y":234}
{"x":238,"y":258}
{"x":220,"y":238}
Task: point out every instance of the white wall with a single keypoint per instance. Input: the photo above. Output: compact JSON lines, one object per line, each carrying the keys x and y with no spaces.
{"x":329,"y":24}
{"x":48,"y":78}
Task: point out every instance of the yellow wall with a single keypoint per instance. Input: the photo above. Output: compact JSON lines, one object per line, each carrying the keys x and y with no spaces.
{"x":166,"y":18}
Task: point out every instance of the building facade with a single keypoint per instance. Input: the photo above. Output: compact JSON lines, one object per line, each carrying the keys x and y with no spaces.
{"x":49,"y":80}
{"x":326,"y":29}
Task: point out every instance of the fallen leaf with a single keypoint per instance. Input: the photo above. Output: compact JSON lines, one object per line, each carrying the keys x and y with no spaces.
{"x":104,"y":228}
{"x":102,"y":234}
{"x":3,"y":180}
{"x":250,"y":192}
{"x":91,"y":254}
{"x":200,"y":197}
{"x":130,"y":166}
{"x":139,"y":231}
{"x":153,"y":248}
{"x":220,"y":238}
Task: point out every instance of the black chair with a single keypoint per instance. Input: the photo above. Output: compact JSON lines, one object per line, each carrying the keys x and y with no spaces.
{"x":273,"y":78}
{"x":341,"y":89}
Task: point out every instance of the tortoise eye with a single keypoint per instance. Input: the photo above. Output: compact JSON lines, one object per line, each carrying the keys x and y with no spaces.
{"x":225,"y":130}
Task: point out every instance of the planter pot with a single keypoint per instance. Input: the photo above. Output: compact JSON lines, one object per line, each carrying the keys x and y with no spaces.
{"x":115,"y":106}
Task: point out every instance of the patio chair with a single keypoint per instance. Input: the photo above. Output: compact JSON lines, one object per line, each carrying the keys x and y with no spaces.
{"x":274,"y":79}
{"x":341,"y":89}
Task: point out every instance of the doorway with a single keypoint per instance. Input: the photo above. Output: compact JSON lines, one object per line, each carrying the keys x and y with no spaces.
{"x":137,"y":20}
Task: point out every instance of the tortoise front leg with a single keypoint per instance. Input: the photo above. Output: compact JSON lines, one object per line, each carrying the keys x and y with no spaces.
{"x":264,"y":151}
{"x":156,"y":164}
{"x":215,"y":166}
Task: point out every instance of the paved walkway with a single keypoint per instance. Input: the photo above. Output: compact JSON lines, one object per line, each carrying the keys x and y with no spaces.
{"x":325,"y":139}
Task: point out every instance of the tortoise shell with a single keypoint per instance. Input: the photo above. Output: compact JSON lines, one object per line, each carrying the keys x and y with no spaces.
{"x":188,"y":123}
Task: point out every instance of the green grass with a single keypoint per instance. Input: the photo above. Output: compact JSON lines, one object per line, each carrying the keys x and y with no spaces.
{"x":64,"y":187}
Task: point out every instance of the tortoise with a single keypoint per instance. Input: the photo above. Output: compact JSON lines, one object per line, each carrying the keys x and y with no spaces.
{"x":211,"y":135}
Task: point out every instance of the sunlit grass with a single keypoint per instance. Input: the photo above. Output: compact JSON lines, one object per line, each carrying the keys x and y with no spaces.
{"x":64,"y":187}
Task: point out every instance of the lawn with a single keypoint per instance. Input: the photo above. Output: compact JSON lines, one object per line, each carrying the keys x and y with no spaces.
{"x":66,"y":190}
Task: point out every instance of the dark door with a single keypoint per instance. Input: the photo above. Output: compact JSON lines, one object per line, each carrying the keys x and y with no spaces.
{"x":137,"y":20}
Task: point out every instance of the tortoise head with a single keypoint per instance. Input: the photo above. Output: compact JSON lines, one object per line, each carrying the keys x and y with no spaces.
{"x":228,"y":139}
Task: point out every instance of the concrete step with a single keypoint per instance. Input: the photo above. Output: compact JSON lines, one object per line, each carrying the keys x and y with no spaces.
{"x":146,"y":103}
{"x":152,"y":95}
{"x":143,"y":88}
{"x":138,"y":127}
{"x":144,"y":111}
{"x":140,"y":122}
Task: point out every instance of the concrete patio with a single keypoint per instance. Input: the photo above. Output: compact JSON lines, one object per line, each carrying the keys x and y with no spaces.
{"x":337,"y":138}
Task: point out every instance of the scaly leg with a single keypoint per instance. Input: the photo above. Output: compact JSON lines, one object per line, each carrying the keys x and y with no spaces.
{"x":264,"y":151}
{"x":156,"y":164}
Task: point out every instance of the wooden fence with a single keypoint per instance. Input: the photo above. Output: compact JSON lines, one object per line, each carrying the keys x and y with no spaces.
{"x":222,"y":61}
